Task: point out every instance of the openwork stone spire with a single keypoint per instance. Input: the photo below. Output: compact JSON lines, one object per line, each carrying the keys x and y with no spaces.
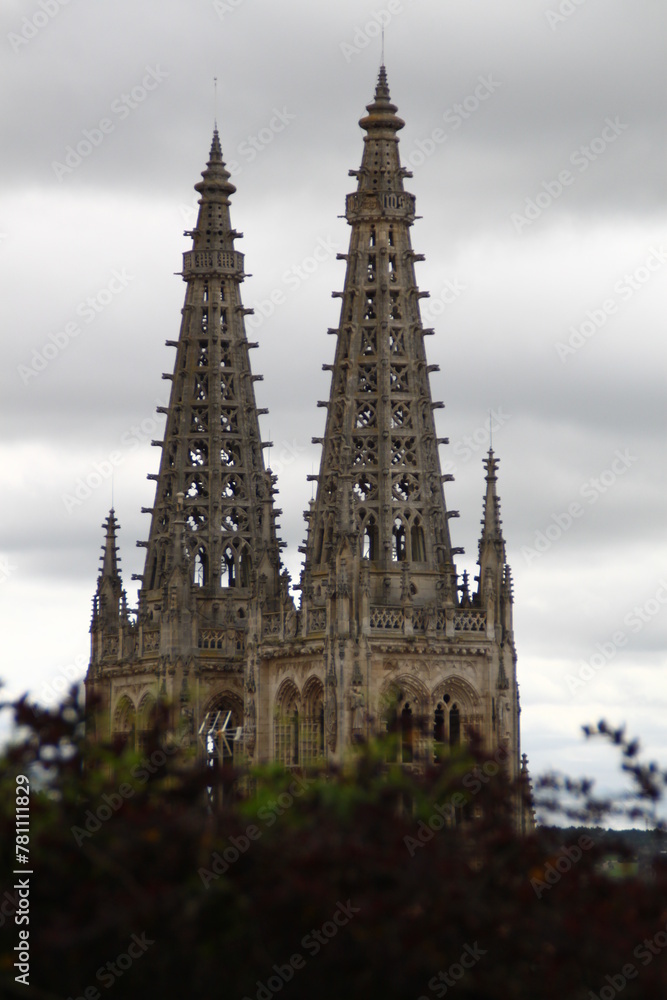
{"x":380,"y":478}
{"x":212,"y":452}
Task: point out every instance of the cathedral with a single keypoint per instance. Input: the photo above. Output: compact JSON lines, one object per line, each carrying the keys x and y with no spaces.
{"x":386,"y":634}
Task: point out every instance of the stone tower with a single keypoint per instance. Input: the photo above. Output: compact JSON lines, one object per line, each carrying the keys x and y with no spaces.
{"x":386,"y":636}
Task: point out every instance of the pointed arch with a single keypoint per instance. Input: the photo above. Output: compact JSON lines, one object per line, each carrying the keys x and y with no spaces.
{"x":454,"y":703}
{"x":125,"y":722}
{"x":146,"y":717}
{"x":200,"y":567}
{"x":312,"y":726}
{"x":405,"y":704}
{"x":222,"y":747}
{"x":398,"y":540}
{"x":287,"y":719}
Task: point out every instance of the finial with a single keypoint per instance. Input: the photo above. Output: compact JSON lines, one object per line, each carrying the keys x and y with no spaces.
{"x":215,"y":103}
{"x":490,"y":432}
{"x":382,"y":55}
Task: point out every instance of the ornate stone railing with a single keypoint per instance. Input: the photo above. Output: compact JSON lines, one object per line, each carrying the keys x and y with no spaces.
{"x":387,"y":617}
{"x":470,"y":621}
{"x":227,"y":640}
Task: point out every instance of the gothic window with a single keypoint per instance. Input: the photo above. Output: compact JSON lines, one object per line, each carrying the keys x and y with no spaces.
{"x":368,"y":340}
{"x":232,"y":486}
{"x":369,"y":540}
{"x":396,"y":342}
{"x":125,"y":723}
{"x":199,"y":420}
{"x":368,"y":378}
{"x":405,"y":487}
{"x":198,"y":453}
{"x":201,"y":387}
{"x":196,"y":487}
{"x":398,"y":378}
{"x":204,"y":320}
{"x":223,"y":319}
{"x":231,"y":519}
{"x":228,"y":568}
{"x":395,"y":309}
{"x":205,"y":294}
{"x":311,"y":742}
{"x":400,"y":415}
{"x":398,"y":541}
{"x":200,"y":576}
{"x":372,"y":238}
{"x":365,"y":416}
{"x":392,"y":267}
{"x":370,"y":270}
{"x":202,"y":357}
{"x":226,"y":385}
{"x":227,"y":455}
{"x":229,"y":420}
{"x":196,"y":519}
{"x":418,"y":549}
{"x":222,"y":293}
{"x":364,"y":487}
{"x":369,"y":311}
{"x":286,"y":726}
{"x":391,"y":237}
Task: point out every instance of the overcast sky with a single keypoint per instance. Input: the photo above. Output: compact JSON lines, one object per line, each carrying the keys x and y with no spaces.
{"x":536,"y":134}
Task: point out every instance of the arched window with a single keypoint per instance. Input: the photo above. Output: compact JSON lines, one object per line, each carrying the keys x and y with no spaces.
{"x":200,"y":577}
{"x":286,"y":726}
{"x":438,"y":731}
{"x":228,"y":568}
{"x":369,"y":540}
{"x":124,"y":723}
{"x":312,"y":723}
{"x":398,"y":541}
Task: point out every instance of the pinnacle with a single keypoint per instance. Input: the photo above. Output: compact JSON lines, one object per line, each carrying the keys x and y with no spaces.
{"x":381,"y":112}
{"x":216,"y":177}
{"x":110,"y":559}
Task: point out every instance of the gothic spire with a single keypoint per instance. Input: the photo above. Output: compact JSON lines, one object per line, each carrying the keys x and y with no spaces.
{"x":110,"y":557}
{"x":380,"y":438}
{"x":212,"y":449}
{"x":491,"y":524}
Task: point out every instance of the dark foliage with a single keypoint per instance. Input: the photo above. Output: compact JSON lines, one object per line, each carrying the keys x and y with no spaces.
{"x":138,"y":888}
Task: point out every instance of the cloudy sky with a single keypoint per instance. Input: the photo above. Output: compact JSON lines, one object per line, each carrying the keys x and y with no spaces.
{"x":536,"y":135}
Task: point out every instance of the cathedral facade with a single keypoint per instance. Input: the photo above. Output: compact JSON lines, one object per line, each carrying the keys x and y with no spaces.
{"x":386,"y":634}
